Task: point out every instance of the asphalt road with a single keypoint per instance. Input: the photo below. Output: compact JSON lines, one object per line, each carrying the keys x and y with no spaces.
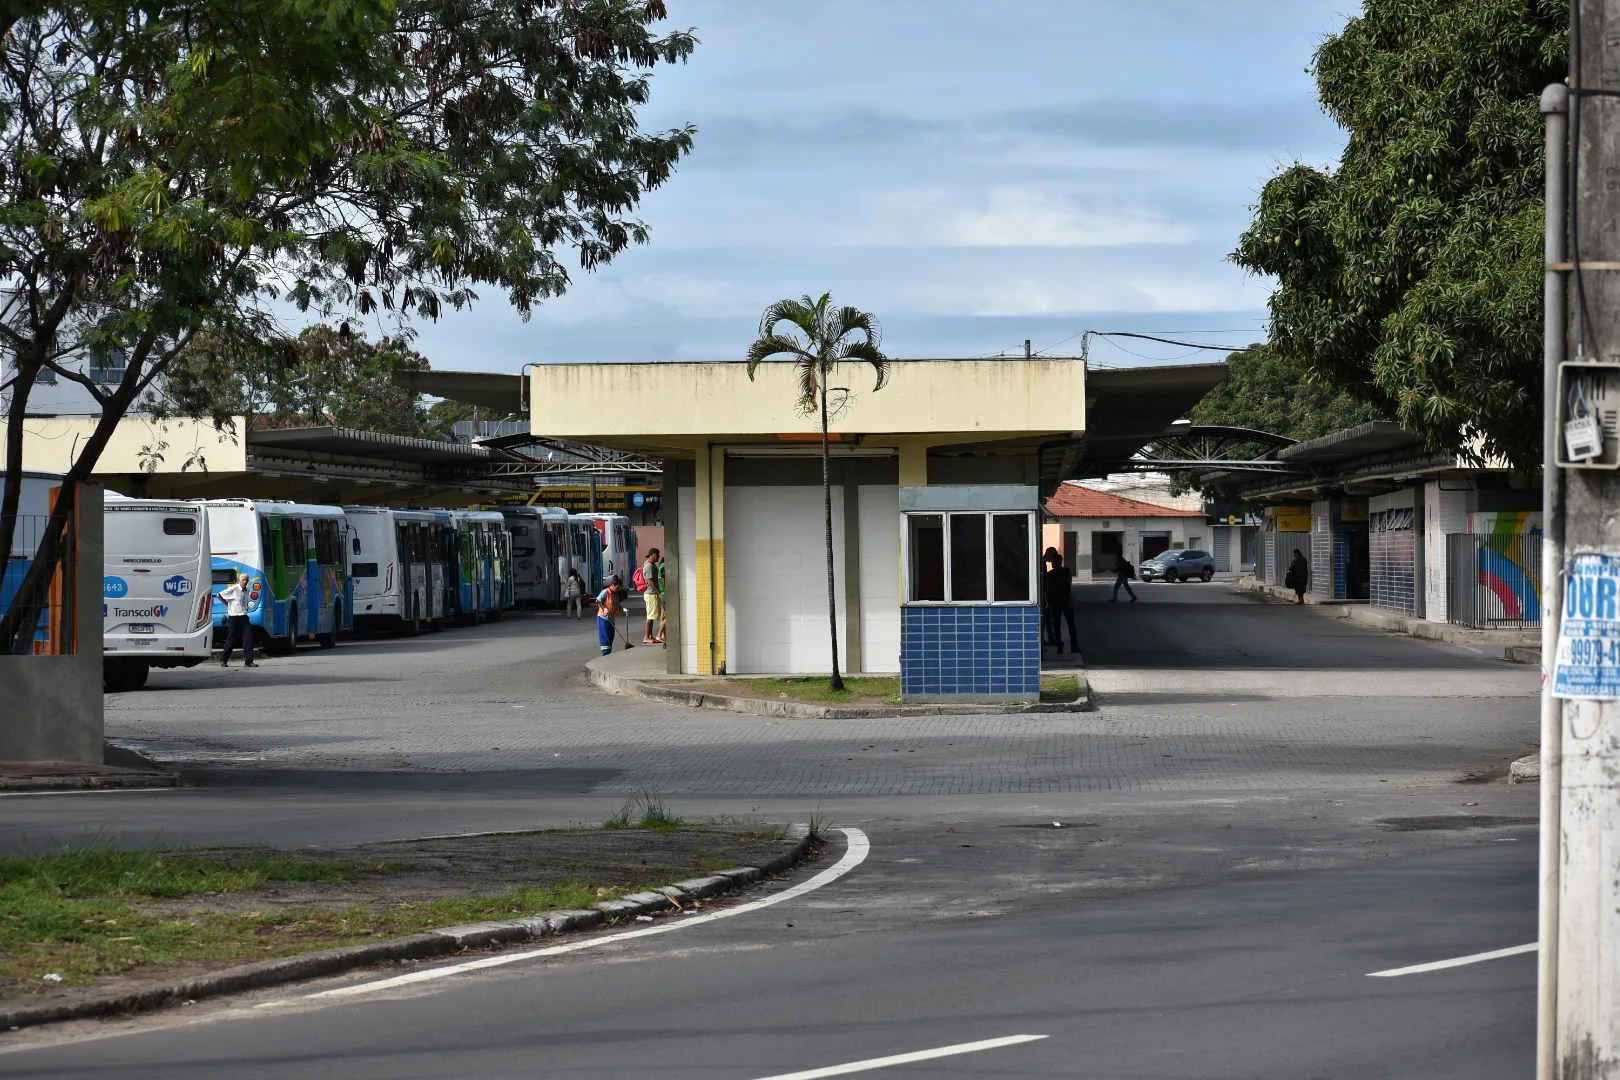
{"x":1193,"y":881}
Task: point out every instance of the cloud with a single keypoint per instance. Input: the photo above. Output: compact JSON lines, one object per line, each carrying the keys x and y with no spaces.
{"x":1006,"y":217}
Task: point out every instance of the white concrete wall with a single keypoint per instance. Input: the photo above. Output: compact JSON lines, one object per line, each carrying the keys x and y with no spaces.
{"x":1133,"y":528}
{"x":1444,"y":512}
{"x":880,"y":578}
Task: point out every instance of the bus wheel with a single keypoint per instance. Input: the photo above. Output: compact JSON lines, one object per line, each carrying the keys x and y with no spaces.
{"x":281,"y":646}
{"x":327,"y":641}
{"x":118,"y":676}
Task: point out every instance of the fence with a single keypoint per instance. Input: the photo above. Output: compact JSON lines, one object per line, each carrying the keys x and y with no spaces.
{"x":54,"y":632}
{"x":1493,"y":581}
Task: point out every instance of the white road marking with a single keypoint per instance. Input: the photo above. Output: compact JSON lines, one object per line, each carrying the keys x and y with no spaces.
{"x":906,"y":1059}
{"x":856,"y":850}
{"x":1460,"y":961}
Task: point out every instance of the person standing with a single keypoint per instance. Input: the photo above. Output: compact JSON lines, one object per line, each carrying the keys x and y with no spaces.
{"x":1298,"y":577}
{"x":239,"y":630}
{"x":609,"y":606}
{"x":1123,"y":572}
{"x":1057,"y":597}
{"x":574,"y":593}
{"x":652,"y":594}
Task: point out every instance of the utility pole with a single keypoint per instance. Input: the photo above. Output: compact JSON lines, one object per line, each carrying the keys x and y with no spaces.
{"x":1579,"y":1015}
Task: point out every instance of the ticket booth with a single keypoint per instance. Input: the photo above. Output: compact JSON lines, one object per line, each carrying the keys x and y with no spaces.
{"x":970,"y":626}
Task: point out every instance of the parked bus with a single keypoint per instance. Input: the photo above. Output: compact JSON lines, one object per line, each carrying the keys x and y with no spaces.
{"x":484,"y":548}
{"x":535,"y":580}
{"x":585,"y":547}
{"x":616,"y":543}
{"x":296,"y":558}
{"x":399,"y":562}
{"x":157,"y":601}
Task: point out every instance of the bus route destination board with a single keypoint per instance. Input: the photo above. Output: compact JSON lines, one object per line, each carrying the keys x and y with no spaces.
{"x":1588,"y":658}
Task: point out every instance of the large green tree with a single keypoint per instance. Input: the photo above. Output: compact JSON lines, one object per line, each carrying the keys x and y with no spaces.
{"x":170,"y":168}
{"x":1272,"y":391}
{"x":817,"y":337}
{"x":1410,"y":274}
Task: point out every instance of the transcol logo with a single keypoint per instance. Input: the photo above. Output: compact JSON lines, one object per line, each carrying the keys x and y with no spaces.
{"x":178,"y":585}
{"x":156,"y":611}
{"x":115,"y":587}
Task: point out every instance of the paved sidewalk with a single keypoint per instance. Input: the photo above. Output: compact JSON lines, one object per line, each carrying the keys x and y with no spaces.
{"x":644,"y":672}
{"x":1515,"y":646}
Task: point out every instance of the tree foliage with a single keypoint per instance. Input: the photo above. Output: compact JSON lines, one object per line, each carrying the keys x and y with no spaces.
{"x":817,"y":337}
{"x":170,"y":168}
{"x":1410,"y":275}
{"x":1271,"y":391}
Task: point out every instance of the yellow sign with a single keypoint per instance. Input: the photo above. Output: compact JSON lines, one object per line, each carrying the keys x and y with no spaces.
{"x":1290,"y":518}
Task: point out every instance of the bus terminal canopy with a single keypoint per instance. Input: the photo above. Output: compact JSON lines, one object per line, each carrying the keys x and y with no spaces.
{"x":1076,"y":422}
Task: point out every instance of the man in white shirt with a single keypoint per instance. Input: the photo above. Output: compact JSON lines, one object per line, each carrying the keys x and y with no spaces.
{"x":239,"y":631}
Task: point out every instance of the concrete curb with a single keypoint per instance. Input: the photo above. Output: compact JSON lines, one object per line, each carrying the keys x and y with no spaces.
{"x":88,"y":782}
{"x":427,"y":945}
{"x":674,"y":693}
{"x":1519,"y":647}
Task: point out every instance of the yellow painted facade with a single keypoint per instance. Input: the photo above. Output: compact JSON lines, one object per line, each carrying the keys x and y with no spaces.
{"x":52,"y":444}
{"x":699,"y":412}
{"x":684,"y":406}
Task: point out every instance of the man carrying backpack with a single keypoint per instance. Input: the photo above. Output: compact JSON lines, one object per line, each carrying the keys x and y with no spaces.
{"x":649,"y":581}
{"x":1123,"y":572}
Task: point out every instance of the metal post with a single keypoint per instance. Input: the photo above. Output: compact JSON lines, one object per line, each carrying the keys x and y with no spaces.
{"x":1585,"y":976}
{"x":1554,"y":107}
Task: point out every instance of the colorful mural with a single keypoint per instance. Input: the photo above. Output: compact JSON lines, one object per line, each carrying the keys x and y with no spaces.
{"x":1509,"y":561}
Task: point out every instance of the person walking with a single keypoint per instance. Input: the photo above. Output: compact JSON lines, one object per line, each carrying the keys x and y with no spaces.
{"x":574,"y":594}
{"x":1123,"y":572}
{"x":1298,"y":577}
{"x":239,"y":630}
{"x":609,"y":606}
{"x":650,"y":581}
{"x":1057,"y":598}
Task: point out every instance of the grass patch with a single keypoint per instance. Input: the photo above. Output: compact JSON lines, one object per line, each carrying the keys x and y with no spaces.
{"x":884,"y":688}
{"x":84,"y":915}
{"x":645,"y":811}
{"x":1060,"y":688}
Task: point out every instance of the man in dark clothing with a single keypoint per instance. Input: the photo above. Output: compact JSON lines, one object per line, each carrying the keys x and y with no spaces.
{"x":1298,"y":577}
{"x":1057,"y":602}
{"x":1123,"y":572}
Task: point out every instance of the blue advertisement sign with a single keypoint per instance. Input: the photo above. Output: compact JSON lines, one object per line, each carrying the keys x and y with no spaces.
{"x":115,"y":587}
{"x":178,"y":585}
{"x":1587,"y":663}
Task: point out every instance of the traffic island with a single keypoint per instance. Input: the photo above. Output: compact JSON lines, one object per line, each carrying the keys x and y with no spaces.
{"x":96,"y":933}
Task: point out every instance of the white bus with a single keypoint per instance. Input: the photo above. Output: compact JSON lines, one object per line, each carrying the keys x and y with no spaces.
{"x":534,"y":557}
{"x":399,"y":562}
{"x":156,"y":598}
{"x":296,"y":559}
{"x":617,"y":543}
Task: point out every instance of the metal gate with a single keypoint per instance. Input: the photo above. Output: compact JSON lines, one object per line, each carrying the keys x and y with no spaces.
{"x":1493,"y":581}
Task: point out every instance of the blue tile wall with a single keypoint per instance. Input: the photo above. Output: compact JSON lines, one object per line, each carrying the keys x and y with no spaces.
{"x":963,"y":649}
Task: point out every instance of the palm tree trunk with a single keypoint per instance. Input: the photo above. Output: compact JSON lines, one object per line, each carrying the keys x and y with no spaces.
{"x":837,"y":681}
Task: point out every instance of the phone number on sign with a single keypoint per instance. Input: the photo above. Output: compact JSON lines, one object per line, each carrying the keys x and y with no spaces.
{"x":1594,"y":652}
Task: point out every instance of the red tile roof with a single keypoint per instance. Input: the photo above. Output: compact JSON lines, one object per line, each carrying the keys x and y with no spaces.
{"x":1073,"y":500}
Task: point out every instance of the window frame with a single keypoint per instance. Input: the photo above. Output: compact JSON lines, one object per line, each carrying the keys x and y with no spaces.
{"x":1032,"y":542}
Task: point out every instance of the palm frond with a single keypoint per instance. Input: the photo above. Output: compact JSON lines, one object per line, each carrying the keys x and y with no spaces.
{"x":850,"y":319}
{"x":869,"y":352}
{"x":772,"y":345}
{"x":800,"y":313}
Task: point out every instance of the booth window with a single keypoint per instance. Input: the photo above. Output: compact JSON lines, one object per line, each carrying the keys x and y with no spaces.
{"x":970,"y":558}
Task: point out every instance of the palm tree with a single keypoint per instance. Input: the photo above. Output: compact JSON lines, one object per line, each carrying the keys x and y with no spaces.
{"x":818,"y":337}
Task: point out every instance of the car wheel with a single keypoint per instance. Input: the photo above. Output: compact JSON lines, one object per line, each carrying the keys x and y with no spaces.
{"x":1170,"y":575}
{"x":1207,"y":574}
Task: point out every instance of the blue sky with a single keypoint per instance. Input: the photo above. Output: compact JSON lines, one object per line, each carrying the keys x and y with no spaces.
{"x":972,"y":173}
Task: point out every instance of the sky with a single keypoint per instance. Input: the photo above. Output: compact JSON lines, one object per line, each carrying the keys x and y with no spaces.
{"x":974,"y":174}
